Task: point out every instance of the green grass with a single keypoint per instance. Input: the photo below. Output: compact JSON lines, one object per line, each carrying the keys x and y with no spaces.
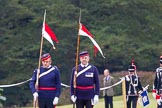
{"x":118,"y":102}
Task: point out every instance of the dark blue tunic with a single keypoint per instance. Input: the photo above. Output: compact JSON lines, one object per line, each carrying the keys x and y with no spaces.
{"x":48,"y":81}
{"x":88,"y":79}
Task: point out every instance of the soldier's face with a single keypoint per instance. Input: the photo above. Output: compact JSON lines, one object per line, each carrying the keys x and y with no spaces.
{"x":46,"y":63}
{"x":160,"y":64}
{"x":84,"y":59}
{"x":131,"y":73}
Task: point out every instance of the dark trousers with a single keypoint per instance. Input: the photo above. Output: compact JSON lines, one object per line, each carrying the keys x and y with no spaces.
{"x":45,"y":102}
{"x":132,"y":100}
{"x":159,"y":106}
{"x":80,"y":103}
{"x":108,"y":101}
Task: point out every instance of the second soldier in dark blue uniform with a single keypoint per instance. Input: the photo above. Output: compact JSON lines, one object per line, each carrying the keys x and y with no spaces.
{"x":86,"y":92}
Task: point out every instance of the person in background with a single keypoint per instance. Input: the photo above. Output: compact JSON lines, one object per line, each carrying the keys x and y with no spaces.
{"x":86,"y":93}
{"x":157,"y":87}
{"x":49,"y":87}
{"x":108,"y":94}
{"x":133,"y":85}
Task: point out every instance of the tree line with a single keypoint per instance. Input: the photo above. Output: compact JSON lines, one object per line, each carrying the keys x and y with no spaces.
{"x":124,"y":30}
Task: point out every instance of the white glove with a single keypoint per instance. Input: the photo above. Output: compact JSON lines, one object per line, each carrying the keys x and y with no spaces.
{"x":55,"y":100}
{"x":122,"y":79}
{"x":95,"y":100}
{"x":73,"y":98}
{"x":154,"y":93}
{"x":35,"y":95}
{"x":127,"y":78}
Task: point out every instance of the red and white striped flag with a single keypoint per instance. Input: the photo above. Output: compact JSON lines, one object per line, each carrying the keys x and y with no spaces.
{"x":84,"y":32}
{"x":48,"y":34}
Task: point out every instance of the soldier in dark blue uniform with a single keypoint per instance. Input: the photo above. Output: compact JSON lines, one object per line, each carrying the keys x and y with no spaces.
{"x":86,"y":92}
{"x":133,"y":85}
{"x":49,"y":87}
{"x":157,"y":88}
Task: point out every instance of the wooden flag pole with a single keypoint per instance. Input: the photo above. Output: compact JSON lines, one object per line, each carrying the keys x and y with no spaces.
{"x":35,"y":102}
{"x":37,"y":81}
{"x":124,"y":93}
{"x":77,"y":57}
{"x":38,"y":71}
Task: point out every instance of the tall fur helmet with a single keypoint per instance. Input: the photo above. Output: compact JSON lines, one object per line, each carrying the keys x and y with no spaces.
{"x":131,"y":68}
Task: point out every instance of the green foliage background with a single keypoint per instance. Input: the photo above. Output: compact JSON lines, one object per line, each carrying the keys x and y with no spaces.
{"x":124,"y":29}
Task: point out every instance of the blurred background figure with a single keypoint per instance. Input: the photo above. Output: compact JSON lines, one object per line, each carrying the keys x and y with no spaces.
{"x":108,"y":93}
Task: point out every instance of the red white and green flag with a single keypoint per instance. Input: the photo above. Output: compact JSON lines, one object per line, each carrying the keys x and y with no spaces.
{"x":84,"y":32}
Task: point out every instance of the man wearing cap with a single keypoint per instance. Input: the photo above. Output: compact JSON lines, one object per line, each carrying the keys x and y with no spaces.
{"x":133,"y":84}
{"x":157,"y":87}
{"x":86,"y":92}
{"x":49,"y":86}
